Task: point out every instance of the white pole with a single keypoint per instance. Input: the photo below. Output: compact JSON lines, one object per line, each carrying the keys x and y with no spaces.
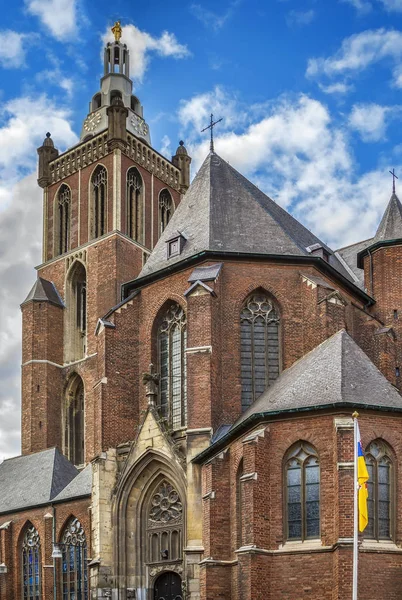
{"x":355,"y":513}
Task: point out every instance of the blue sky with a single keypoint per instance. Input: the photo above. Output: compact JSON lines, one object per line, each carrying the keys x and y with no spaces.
{"x":310,"y":92}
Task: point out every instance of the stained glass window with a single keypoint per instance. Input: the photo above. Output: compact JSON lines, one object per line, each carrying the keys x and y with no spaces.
{"x":74,"y":562}
{"x":63,"y":206}
{"x":134,"y":204}
{"x":259,"y":332}
{"x":302,"y":477}
{"x":165,"y":209}
{"x":380,"y":493}
{"x":99,"y":183}
{"x":31,"y":565}
{"x":172,"y":366}
{"x":165,"y":524}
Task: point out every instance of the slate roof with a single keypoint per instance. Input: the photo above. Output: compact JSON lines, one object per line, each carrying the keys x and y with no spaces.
{"x":33,"y":479}
{"x":335,"y":372}
{"x":349,"y":255}
{"x":44,"y":291}
{"x":390,"y":227}
{"x":223,"y":211}
{"x":78,"y":487}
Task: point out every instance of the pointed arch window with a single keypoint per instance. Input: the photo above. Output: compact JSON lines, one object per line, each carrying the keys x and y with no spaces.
{"x":380,"y":491}
{"x":165,"y":524}
{"x":259,"y":339}
{"x":74,"y":562}
{"x":302,"y":492}
{"x":76,"y":314}
{"x":31,"y":564}
{"x":134,"y":204}
{"x":165,"y":209}
{"x":63,"y":219}
{"x":74,"y":412}
{"x":99,"y":191}
{"x":172,"y":337}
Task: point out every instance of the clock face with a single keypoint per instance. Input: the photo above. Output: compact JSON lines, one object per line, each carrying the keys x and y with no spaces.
{"x":139,"y":125}
{"x":92,"y":121}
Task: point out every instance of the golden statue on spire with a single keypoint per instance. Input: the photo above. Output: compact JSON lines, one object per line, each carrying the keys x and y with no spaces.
{"x":116,"y":30}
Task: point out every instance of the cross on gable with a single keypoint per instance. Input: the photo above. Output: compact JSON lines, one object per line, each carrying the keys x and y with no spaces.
{"x":211,"y":127}
{"x":393,"y":180}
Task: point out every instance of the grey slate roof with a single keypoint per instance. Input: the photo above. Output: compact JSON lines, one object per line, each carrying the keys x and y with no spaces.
{"x":79,"y":486}
{"x":44,"y":291}
{"x":349,"y":255}
{"x":390,"y":227}
{"x":33,"y":479}
{"x":223,"y":211}
{"x":209,"y":273}
{"x":336,"y":371}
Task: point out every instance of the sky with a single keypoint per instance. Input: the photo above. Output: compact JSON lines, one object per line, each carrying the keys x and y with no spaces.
{"x":310,"y":93}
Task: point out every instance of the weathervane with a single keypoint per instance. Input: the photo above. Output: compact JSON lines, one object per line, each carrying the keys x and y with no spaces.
{"x":116,"y":30}
{"x":393,"y":180}
{"x":211,"y":127}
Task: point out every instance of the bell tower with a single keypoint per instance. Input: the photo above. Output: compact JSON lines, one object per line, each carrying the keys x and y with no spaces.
{"x":105,"y":203}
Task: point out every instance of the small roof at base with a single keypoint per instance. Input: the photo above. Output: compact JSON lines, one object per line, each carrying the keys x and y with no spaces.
{"x":44,"y":291}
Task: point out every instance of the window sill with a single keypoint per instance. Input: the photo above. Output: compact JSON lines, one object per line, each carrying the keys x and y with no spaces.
{"x":381,"y":546}
{"x":300,"y":546}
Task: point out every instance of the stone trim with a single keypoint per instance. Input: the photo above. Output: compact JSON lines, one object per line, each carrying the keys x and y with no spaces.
{"x":209,"y":495}
{"x":215,"y":562}
{"x":343,"y":423}
{"x":249,"y":477}
{"x":199,"y":350}
{"x":49,"y":362}
{"x":345,"y":466}
{"x":254,"y":436}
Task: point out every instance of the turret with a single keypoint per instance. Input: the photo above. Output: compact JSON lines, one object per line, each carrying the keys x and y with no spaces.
{"x":47,"y":152}
{"x":182,"y":161}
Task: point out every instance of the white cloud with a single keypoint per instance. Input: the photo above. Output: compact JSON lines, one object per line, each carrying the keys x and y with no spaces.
{"x":300,"y":18}
{"x":335,"y":88}
{"x":370,"y":120}
{"x":362,"y":6}
{"x":59,"y":17}
{"x":392,"y":5}
{"x":12,"y":49}
{"x":360,"y":51}
{"x":141,"y":44}
{"x":295,"y":153}
{"x":211,"y":19}
{"x":166,"y":148}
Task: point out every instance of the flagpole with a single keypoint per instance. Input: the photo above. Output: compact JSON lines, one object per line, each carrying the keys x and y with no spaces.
{"x":355,"y":511}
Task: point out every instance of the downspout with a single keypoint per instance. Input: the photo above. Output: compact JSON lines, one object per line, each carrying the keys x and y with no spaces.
{"x":54,"y":560}
{"x":371,"y":272}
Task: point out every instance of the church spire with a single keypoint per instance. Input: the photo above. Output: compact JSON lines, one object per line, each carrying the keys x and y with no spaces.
{"x":390,"y":227}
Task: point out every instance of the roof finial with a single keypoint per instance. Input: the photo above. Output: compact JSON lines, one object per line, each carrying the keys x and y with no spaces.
{"x":393,"y":180}
{"x":211,"y":127}
{"x":117,"y":30}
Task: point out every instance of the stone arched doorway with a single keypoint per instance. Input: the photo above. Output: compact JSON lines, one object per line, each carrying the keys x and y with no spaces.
{"x":168,"y":586}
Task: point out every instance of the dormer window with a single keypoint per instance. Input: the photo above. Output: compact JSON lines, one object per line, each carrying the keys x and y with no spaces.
{"x":318,"y":250}
{"x":175,"y":245}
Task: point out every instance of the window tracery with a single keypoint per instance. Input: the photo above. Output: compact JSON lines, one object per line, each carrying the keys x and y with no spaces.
{"x":31,"y":565}
{"x":99,"y":185}
{"x":74,"y":411}
{"x":380,"y":491}
{"x":165,"y":209}
{"x":76,"y":314}
{"x":74,"y":562}
{"x":134,"y":204}
{"x":302,"y":492}
{"x":172,"y":366}
{"x":63,"y":219}
{"x":165,"y":524}
{"x":259,"y":338}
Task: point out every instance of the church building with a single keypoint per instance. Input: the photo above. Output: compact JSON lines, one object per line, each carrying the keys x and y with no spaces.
{"x":192,"y":356}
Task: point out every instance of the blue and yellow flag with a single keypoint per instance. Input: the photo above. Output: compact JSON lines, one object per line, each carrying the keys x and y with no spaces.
{"x":362,"y":478}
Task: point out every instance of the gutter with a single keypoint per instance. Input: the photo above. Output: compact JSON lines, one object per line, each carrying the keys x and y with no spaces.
{"x":263,"y":416}
{"x":136,"y":284}
{"x":375,"y":246}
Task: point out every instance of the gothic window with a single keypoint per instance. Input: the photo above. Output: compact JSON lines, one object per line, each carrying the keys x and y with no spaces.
{"x":302,"y":492}
{"x":74,"y":408}
{"x":165,"y":524}
{"x":380,"y":492}
{"x":62,"y":220}
{"x":172,"y":366}
{"x":259,"y":338}
{"x":239,"y":505}
{"x":99,"y":186}
{"x":31,"y":565}
{"x":76,"y":314}
{"x":74,"y":562}
{"x":165,"y":209}
{"x":134,"y":204}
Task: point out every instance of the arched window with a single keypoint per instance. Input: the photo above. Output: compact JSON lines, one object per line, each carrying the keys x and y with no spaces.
{"x":172,"y":366}
{"x":76,"y":315}
{"x":31,"y":564}
{"x":259,"y":339}
{"x":380,"y":491}
{"x":134,"y":204}
{"x":63,"y":208}
{"x":99,"y":186}
{"x":302,"y":492}
{"x":165,"y":524}
{"x":165,"y":209}
{"x":74,"y":413}
{"x":74,"y":562}
{"x":239,"y":505}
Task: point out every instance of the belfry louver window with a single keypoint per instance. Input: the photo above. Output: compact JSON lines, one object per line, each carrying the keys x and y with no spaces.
{"x":63,"y":219}
{"x":260,"y":356}
{"x":134,"y":205}
{"x":165,"y":209}
{"x":99,"y":185}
